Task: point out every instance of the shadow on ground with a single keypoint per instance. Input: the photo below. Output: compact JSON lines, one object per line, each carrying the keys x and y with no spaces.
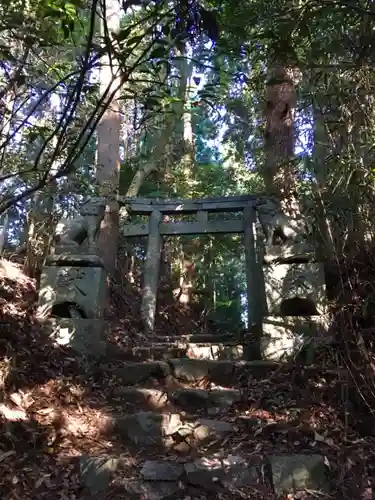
{"x":56,"y":408}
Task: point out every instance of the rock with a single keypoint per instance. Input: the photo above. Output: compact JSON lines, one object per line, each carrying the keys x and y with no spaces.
{"x":190,"y":370}
{"x":194,"y":370}
{"x":96,"y":473}
{"x":154,"y":470}
{"x":292,"y":473}
{"x":142,"y":398}
{"x":149,"y":428}
{"x":190,"y":400}
{"x":251,"y":424}
{"x":193,"y":399}
{"x":136,"y":373}
{"x":168,"y":430}
{"x":213,"y":473}
{"x":153,"y":490}
{"x":205,"y":429}
{"x":215,"y":351}
{"x":222,"y":373}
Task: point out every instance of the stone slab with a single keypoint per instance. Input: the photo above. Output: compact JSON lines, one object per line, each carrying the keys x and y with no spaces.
{"x":232,"y":472}
{"x":207,"y":429}
{"x":200,"y":399}
{"x":293,"y":473}
{"x":133,"y":373}
{"x":64,"y":257}
{"x":164,"y":351}
{"x":289,"y":253}
{"x":148,"y":428}
{"x":84,"y":286}
{"x":96,"y":473}
{"x":283,"y":336}
{"x":169,"y":430}
{"x":155,"y":470}
{"x":149,"y":490}
{"x":189,"y":400}
{"x":140,"y":398}
{"x":286,"y":282}
{"x":223,"y":373}
{"x":213,"y":475}
{"x":85,"y":336}
{"x":200,"y":338}
{"x":156,"y":352}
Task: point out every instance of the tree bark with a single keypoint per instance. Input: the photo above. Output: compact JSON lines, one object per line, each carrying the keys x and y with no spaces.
{"x":108,"y":145}
{"x":184,"y":150}
{"x":279,"y":136}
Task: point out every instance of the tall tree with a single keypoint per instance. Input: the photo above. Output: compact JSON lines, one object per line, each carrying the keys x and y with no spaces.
{"x":109,"y":130}
{"x":279,"y":136}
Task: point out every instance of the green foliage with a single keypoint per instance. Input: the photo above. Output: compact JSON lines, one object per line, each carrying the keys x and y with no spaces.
{"x":51,"y":52}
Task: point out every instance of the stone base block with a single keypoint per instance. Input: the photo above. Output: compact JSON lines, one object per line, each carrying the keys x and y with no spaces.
{"x":86,"y":336}
{"x":81,"y":286}
{"x":289,"y":253}
{"x":83,"y":259}
{"x":283,"y":337}
{"x":295,"y":289}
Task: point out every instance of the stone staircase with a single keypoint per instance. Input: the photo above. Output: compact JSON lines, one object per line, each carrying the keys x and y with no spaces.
{"x":198,"y":346}
{"x":176,"y":406}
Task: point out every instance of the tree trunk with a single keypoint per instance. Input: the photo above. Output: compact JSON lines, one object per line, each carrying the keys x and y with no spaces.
{"x":188,"y":153}
{"x":108,"y":146}
{"x":161,"y":144}
{"x":184,"y":150}
{"x":40,"y":230}
{"x":322,"y":149}
{"x":279,"y":136}
{"x":187,"y":273}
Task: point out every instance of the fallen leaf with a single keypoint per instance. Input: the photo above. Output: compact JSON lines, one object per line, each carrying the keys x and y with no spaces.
{"x":12,"y":415}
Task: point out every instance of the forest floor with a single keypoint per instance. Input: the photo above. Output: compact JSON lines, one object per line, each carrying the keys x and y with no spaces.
{"x":52,"y":411}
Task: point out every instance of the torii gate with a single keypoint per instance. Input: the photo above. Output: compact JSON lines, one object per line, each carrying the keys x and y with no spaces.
{"x":155,"y":229}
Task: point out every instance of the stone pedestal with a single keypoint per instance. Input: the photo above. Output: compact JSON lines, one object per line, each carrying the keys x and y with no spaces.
{"x":80,"y":285}
{"x":284,"y":336}
{"x":287,"y":286}
{"x":295,"y":303}
{"x":71,"y":302}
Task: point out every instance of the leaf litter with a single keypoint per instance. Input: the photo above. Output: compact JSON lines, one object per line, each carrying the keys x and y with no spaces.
{"x":51,"y":411}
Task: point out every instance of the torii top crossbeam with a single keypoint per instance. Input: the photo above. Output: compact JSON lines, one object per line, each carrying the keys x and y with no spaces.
{"x":170,"y":206}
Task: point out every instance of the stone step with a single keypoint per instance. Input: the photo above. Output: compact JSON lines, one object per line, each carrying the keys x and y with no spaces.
{"x":188,"y":400}
{"x":167,"y":431}
{"x":188,"y":371}
{"x":165,"y":351}
{"x":217,"y":475}
{"x":155,"y":352}
{"x":199,"y":338}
